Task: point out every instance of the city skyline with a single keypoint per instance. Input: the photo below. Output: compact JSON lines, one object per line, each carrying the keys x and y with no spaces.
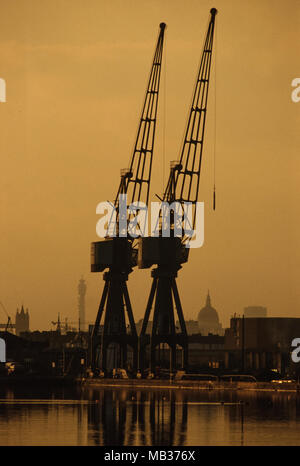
{"x":64,"y":319}
{"x":75,"y":81}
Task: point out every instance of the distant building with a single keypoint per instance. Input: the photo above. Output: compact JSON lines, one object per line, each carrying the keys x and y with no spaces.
{"x":22,"y":321}
{"x":91,"y":329}
{"x":139,"y":325}
{"x":208,"y":320}
{"x":259,"y":344}
{"x":255,"y":311}
{"x":192,"y":327}
{"x":46,"y":353}
{"x":206,"y":352}
{"x":20,"y":350}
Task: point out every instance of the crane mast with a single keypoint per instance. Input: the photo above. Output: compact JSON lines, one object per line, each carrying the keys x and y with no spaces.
{"x":169,"y":253}
{"x":184,"y":179}
{"x":109,"y":346}
{"x":135,"y":181}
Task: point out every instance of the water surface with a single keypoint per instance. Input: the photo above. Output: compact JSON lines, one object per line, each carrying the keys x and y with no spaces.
{"x":143,"y":417}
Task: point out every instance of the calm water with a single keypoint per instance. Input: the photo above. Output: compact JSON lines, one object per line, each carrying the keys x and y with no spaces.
{"x":158,"y":417}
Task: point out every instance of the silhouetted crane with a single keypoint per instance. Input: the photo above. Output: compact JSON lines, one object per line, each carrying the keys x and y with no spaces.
{"x":117,"y":253}
{"x":9,"y":323}
{"x":169,"y":253}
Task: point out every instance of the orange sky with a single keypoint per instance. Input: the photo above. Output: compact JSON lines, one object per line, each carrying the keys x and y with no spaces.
{"x":76,"y":74}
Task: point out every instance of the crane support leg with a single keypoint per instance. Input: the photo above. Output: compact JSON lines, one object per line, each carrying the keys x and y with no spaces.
{"x":164,"y":293}
{"x":109,"y":346}
{"x":181,"y":321}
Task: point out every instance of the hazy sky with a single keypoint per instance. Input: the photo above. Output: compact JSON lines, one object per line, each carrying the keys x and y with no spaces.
{"x":76,"y":73}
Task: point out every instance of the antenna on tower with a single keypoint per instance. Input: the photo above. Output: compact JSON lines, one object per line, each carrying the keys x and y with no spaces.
{"x":81,"y":304}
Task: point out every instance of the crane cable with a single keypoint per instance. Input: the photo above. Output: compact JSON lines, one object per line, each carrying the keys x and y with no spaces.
{"x":164,"y":115}
{"x":215,"y":122}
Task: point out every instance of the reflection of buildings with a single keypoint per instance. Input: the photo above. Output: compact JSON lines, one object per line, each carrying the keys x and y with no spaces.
{"x":108,"y":420}
{"x":168,"y":421}
{"x":130,"y":417}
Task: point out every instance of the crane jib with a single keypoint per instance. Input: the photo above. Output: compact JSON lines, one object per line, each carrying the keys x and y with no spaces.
{"x":135,"y":181}
{"x":184,"y":178}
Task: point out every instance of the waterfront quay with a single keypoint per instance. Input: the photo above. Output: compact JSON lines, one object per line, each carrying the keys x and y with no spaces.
{"x":278,"y":386}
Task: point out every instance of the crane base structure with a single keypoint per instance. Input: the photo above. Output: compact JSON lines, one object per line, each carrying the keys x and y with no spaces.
{"x":165,"y":297}
{"x":109,"y":344}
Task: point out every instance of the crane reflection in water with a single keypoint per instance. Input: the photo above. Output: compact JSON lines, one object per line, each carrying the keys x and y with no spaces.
{"x":124,"y":417}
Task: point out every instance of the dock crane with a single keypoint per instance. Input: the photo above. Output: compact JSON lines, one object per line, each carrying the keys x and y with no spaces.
{"x":118,"y":253}
{"x":8,"y":324}
{"x":169,"y":253}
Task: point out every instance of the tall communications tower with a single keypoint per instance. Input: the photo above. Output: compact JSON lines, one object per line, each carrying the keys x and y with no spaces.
{"x":81,"y":304}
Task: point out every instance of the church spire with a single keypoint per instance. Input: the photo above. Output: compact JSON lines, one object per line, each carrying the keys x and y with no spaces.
{"x":208,"y":303}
